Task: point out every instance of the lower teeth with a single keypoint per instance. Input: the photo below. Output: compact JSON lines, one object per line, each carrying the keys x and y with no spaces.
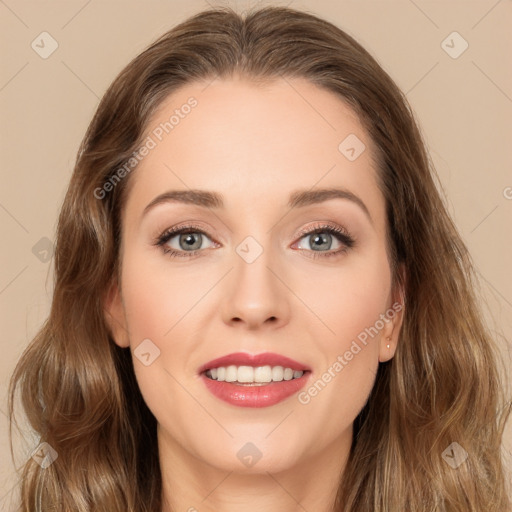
{"x":253,"y":383}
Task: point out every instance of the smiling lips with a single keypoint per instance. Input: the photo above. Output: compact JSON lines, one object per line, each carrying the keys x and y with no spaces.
{"x":254,"y":381}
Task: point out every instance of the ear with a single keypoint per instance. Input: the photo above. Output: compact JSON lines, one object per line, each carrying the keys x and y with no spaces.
{"x":394,"y":318}
{"x":114,"y":315}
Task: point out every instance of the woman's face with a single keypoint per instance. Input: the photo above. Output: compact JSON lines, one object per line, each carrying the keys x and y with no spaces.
{"x":247,"y":278}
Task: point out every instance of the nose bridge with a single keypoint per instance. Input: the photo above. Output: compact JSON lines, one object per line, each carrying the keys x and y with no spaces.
{"x":256,"y":295}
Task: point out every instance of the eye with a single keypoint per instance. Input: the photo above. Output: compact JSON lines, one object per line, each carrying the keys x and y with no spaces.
{"x":321,"y":237}
{"x":189,"y":240}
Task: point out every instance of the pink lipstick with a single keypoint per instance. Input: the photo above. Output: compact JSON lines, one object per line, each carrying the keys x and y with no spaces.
{"x":260,"y":380}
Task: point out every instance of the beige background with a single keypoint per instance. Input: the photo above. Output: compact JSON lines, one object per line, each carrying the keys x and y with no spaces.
{"x":463,"y":104}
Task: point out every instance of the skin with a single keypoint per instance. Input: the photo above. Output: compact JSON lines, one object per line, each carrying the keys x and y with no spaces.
{"x":254,"y":145}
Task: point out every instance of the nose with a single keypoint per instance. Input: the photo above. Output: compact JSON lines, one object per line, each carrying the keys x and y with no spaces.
{"x":256,"y":295}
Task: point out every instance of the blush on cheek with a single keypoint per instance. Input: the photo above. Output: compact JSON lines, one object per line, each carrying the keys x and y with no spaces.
{"x":351,"y":313}
{"x":152,"y":304}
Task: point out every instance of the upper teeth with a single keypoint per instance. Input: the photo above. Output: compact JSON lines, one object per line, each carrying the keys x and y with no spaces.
{"x":250,"y":374}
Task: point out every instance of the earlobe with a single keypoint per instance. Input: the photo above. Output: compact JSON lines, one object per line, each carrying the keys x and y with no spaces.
{"x":115,"y":317}
{"x":388,"y":344}
{"x":391,"y":331}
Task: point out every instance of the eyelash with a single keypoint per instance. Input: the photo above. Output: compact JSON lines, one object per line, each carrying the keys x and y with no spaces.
{"x":342,"y":236}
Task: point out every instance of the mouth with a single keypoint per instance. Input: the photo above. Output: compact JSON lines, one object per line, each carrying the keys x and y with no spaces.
{"x":261,"y":380}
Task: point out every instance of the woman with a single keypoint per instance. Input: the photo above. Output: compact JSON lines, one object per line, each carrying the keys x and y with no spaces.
{"x":259,"y":371}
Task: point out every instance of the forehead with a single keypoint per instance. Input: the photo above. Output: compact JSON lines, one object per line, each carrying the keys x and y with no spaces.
{"x":255,"y":143}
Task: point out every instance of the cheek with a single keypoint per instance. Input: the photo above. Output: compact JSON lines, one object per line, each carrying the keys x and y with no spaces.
{"x":350,"y":303}
{"x":166,"y":302}
{"x":345,"y":302}
{"x":157,"y":298}
{"x":160,"y":308}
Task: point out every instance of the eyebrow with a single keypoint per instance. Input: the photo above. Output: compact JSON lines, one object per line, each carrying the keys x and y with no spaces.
{"x":298,"y":198}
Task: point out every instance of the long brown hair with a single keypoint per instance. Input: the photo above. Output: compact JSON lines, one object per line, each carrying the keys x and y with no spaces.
{"x":78,"y":388}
